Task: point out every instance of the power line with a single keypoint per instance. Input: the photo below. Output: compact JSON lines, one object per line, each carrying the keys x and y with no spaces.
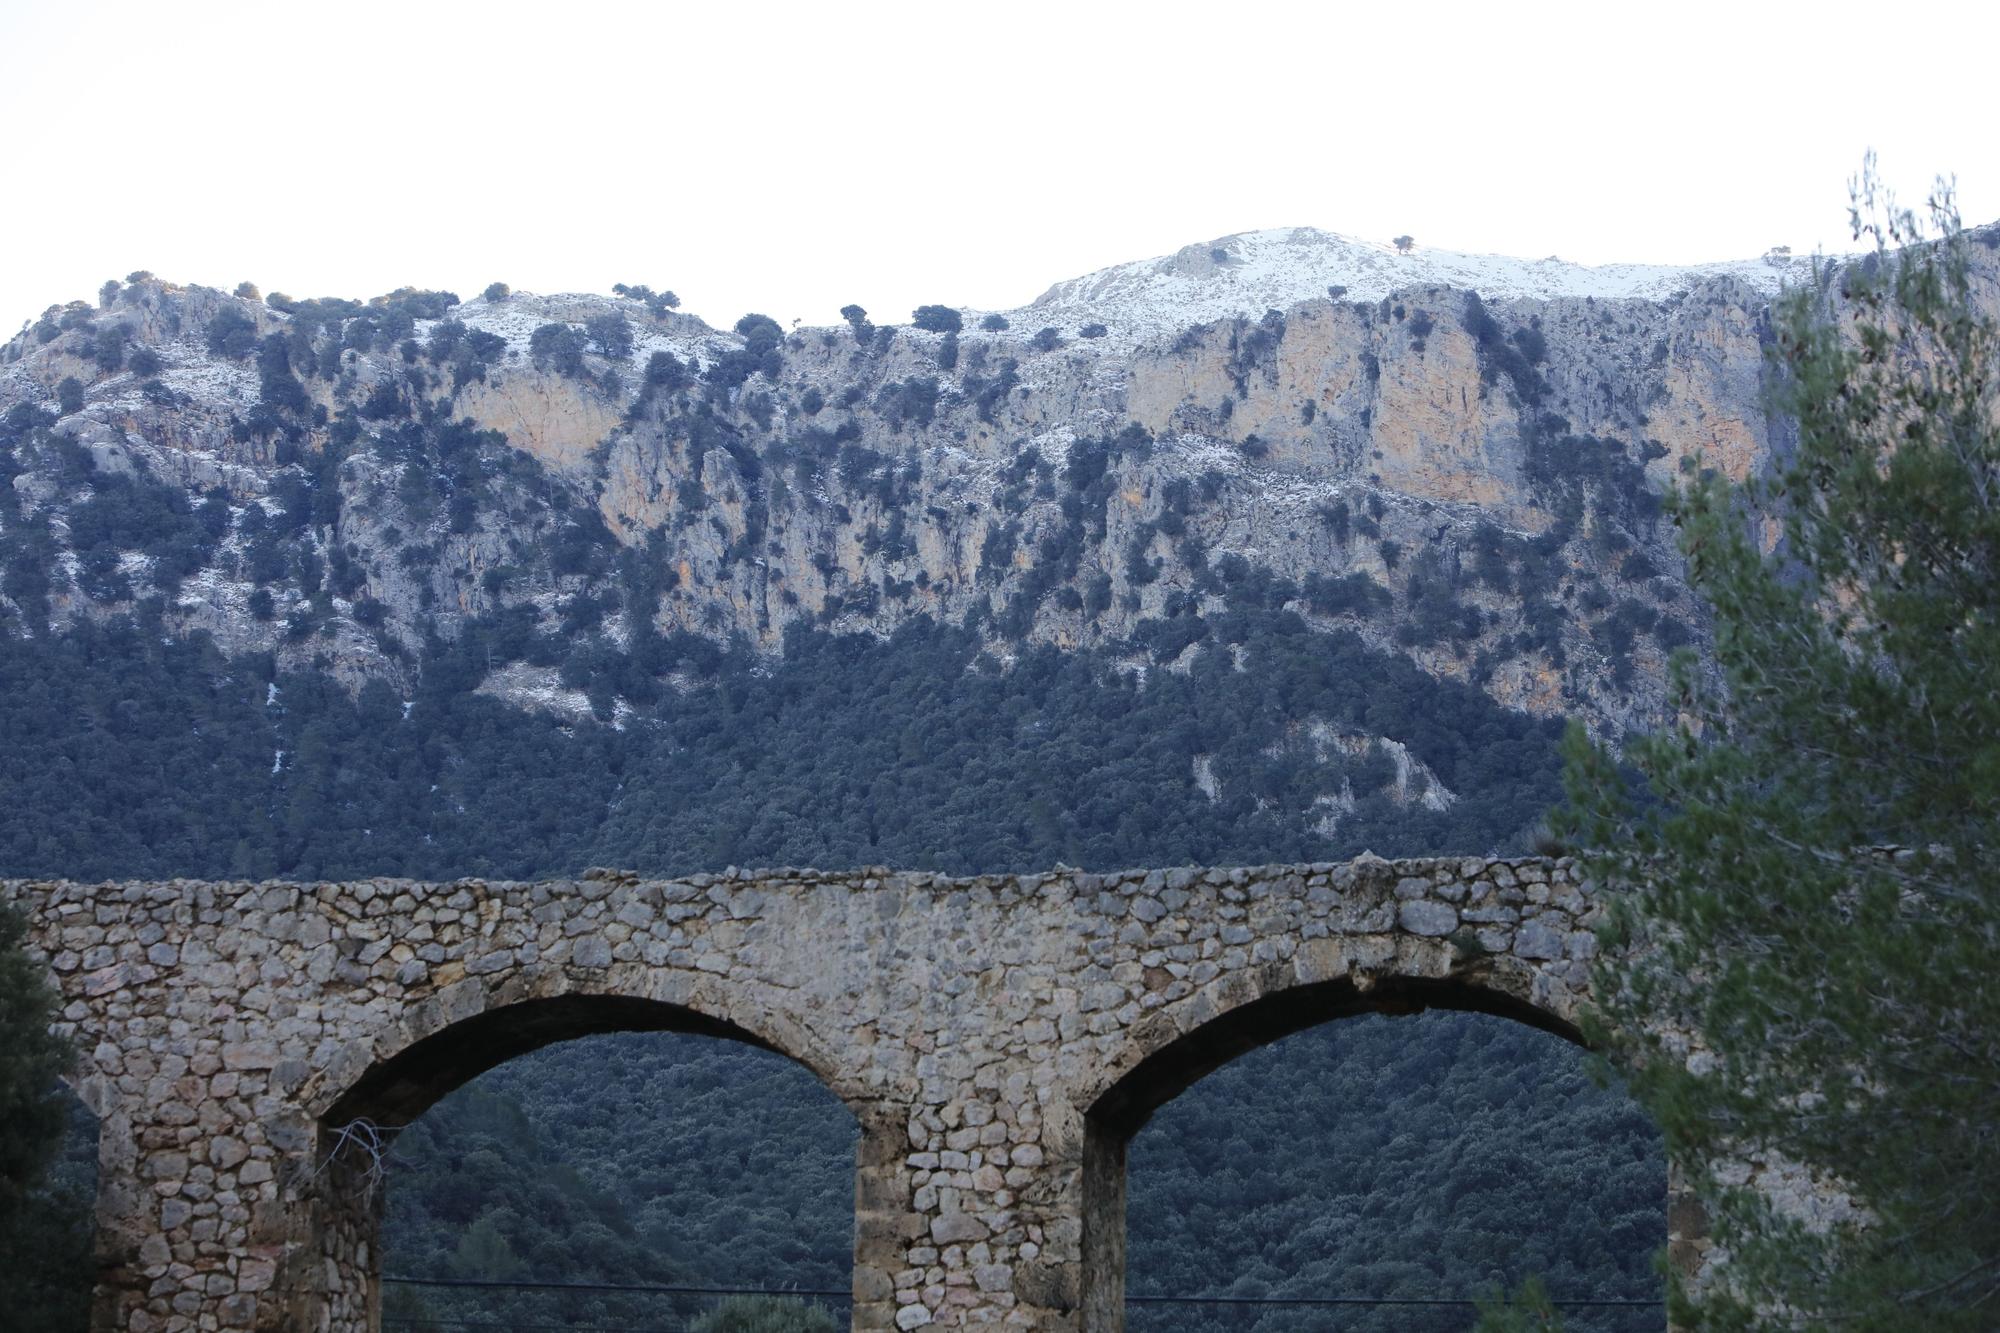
{"x":638,"y":1288}
{"x":1373,"y":1300}
{"x":646,"y":1289}
{"x":516,"y":1326}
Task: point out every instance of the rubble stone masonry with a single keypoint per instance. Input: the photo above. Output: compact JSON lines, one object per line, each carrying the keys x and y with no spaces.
{"x":997,"y":1038}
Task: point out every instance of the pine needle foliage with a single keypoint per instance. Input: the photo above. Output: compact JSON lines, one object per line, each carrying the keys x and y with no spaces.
{"x":1808,"y":855}
{"x":31,"y":1060}
{"x":44,"y":1227}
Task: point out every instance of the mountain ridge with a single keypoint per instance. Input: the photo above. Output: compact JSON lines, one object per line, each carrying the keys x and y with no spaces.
{"x":1472,"y":485}
{"x":1365,"y":269}
{"x":1246,"y":273}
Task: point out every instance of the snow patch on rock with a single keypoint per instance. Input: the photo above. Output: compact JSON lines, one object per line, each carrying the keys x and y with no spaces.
{"x":537,"y":689}
{"x":1252,"y":272}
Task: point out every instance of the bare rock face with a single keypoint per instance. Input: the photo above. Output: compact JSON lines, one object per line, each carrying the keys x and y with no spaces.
{"x":555,"y":421}
{"x":1459,"y":458}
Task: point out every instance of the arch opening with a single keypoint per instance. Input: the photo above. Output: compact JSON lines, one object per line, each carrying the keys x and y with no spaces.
{"x":1368,"y":1159}
{"x":1125,"y":1107}
{"x":398,"y":1089}
{"x":687,"y":1151}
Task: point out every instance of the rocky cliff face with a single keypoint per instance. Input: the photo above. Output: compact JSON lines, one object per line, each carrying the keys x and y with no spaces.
{"x":1458,"y":457}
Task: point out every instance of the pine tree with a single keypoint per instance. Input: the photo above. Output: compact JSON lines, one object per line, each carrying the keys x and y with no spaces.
{"x":1807,"y":857}
{"x":44,"y":1228}
{"x":31,"y":1060}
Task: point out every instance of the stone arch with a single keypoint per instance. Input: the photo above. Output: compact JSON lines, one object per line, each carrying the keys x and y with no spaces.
{"x":468,"y":1027}
{"x":1253,"y":1008}
{"x":997,"y":1039}
{"x":461,"y":1032}
{"x":1127,"y":1094}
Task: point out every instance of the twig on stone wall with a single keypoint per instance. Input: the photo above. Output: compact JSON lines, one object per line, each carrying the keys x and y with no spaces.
{"x":361,"y":1138}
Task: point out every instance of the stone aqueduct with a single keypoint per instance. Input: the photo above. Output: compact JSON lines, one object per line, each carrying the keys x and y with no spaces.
{"x":997,"y":1038}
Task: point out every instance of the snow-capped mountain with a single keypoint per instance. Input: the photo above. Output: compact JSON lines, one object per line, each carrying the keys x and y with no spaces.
{"x":1251,"y":272}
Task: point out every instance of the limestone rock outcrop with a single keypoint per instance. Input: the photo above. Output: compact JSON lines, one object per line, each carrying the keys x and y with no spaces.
{"x":1470,"y":477}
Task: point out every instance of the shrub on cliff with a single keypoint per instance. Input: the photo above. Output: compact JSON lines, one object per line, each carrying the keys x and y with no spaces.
{"x":762,"y":350}
{"x":559,"y":346}
{"x":611,"y":334}
{"x":760,"y":333}
{"x":231,"y":333}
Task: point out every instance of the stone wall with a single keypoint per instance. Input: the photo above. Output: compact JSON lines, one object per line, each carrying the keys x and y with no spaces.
{"x":997,"y":1038}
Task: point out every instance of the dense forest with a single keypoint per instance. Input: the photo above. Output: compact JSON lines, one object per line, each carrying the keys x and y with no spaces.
{"x":1440,"y":1155}
{"x":135,"y":754}
{"x":1426,"y":1157}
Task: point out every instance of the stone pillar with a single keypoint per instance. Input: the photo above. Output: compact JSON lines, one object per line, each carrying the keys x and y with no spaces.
{"x":885,"y":1227}
{"x":176,"y":1245}
{"x":207,"y":1221}
{"x":970,"y":1214}
{"x":333,"y":1282}
{"x":128,"y":1219}
{"x":1049,"y":1177}
{"x":1103,"y":1263}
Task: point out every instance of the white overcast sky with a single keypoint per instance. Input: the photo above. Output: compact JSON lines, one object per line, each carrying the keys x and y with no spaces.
{"x":792,"y":158}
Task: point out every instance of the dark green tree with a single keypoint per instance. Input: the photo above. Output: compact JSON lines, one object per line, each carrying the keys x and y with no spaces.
{"x":559,"y":345}
{"x":760,"y":333}
{"x":610,"y":334}
{"x":232,"y":333}
{"x":1806,"y":857}
{"x":937,"y":319}
{"x":69,"y":395}
{"x":31,"y":1060}
{"x":44,"y":1239}
{"x":857,"y":319}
